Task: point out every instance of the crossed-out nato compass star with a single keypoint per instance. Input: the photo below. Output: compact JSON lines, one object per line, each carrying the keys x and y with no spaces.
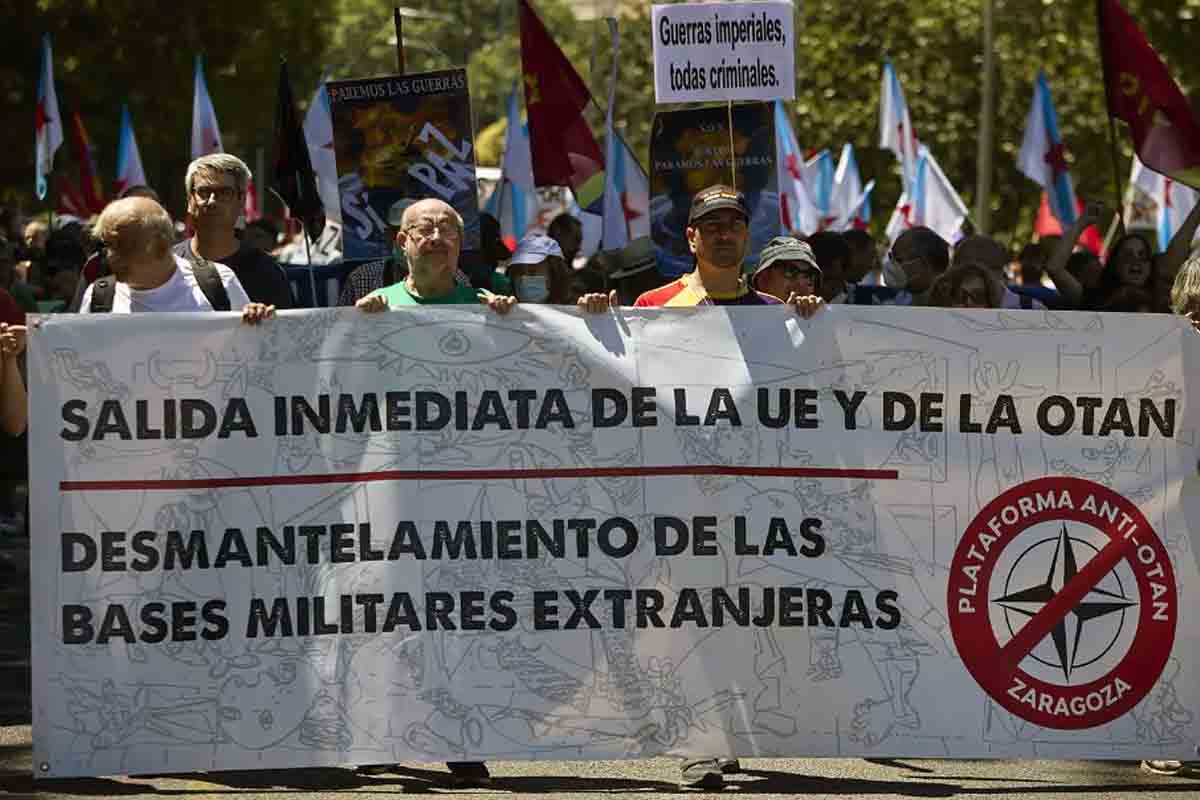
{"x":1028,"y":602}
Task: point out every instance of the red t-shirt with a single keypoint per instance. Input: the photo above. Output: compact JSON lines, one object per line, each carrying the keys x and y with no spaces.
{"x":686,"y":291}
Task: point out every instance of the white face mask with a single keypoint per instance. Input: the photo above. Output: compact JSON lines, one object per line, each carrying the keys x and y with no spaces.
{"x":893,"y":274}
{"x":532,"y":288}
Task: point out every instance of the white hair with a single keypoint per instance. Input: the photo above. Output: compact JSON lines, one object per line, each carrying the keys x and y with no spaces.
{"x":221,"y":164}
{"x":1185,"y":292}
{"x":144,"y":223}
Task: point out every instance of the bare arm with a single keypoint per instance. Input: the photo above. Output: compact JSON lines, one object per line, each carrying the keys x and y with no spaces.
{"x":14,"y":412}
{"x":1056,"y":265}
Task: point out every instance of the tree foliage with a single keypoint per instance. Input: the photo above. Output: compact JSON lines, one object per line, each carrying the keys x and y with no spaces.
{"x":121,"y":50}
{"x":109,"y":52}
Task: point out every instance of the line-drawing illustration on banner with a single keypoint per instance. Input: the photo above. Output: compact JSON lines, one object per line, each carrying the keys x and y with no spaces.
{"x":443,"y":534}
{"x":723,"y":51}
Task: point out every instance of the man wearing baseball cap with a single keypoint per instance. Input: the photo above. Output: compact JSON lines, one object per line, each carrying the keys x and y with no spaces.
{"x":787,"y":267}
{"x":718,"y":234}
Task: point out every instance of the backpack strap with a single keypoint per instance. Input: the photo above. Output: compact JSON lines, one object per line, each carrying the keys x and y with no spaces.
{"x":103,"y":291}
{"x":209,"y":280}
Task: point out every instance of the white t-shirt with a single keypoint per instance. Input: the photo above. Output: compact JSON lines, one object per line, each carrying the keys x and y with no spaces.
{"x":180,"y":293}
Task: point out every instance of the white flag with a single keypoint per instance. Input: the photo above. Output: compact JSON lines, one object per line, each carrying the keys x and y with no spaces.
{"x":895,"y":126}
{"x":849,"y":204}
{"x":318,"y":133}
{"x":616,"y":230}
{"x":48,"y":133}
{"x":933,"y":203}
{"x":129,"y":159}
{"x":206,"y":134}
{"x":1172,"y":201}
{"x":798,"y":211}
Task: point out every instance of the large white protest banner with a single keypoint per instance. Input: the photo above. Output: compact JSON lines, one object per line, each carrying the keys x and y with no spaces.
{"x":723,"y":51}
{"x":446,"y":534}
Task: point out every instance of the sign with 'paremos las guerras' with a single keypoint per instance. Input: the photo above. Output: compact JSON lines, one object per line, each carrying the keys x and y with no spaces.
{"x":723,"y":51}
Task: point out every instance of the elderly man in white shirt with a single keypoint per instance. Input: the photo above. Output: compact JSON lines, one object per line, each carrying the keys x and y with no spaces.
{"x":136,"y":234}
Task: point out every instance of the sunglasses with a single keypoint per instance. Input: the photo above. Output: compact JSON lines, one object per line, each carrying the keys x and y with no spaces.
{"x":796,"y":271}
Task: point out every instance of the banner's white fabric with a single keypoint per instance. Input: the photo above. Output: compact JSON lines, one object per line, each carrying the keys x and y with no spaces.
{"x":723,"y":51}
{"x":880,"y":532}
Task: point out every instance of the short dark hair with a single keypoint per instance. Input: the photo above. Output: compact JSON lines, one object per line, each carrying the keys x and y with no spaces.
{"x":928,"y":246}
{"x":829,"y":247}
{"x":560,"y":224}
{"x":858,"y":240}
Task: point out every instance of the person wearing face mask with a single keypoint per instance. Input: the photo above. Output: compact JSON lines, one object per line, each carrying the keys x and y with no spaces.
{"x":539,"y":273}
{"x":915,"y":261}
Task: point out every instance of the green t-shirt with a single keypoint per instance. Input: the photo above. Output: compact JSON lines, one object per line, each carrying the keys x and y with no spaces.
{"x":398,"y":295}
{"x":24,"y":296}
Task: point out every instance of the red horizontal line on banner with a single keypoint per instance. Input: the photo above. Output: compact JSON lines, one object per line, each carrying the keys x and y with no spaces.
{"x":480,"y":474}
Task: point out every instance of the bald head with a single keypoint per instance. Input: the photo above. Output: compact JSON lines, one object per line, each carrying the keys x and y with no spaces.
{"x":135,"y":231}
{"x":430,"y":206}
{"x":431,"y":234}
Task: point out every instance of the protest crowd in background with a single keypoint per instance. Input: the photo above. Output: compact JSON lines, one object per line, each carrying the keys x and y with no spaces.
{"x":218,"y":253}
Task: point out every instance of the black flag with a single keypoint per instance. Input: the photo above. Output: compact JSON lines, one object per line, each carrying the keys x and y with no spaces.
{"x":292,"y":177}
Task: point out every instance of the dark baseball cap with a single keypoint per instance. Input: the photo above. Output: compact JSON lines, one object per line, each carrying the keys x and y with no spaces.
{"x":714,"y":198}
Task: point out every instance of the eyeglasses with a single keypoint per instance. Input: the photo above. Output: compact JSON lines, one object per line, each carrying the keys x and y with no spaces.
{"x":222,"y":193}
{"x":425,"y":230}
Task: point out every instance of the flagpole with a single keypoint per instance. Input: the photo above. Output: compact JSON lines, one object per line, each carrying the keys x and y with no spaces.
{"x":1116,"y":164}
{"x":987,"y":111}
{"x":396,"y":20}
{"x":312,"y":280}
{"x":732,"y":154}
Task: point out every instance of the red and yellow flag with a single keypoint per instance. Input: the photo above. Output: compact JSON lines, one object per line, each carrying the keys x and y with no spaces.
{"x":561,"y":143}
{"x":1166,"y":134}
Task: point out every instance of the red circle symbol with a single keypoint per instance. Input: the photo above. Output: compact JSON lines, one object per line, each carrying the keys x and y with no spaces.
{"x":996,"y":666}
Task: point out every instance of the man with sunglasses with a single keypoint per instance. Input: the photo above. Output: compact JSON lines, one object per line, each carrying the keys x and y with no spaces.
{"x":216,"y":197}
{"x":787,"y":267}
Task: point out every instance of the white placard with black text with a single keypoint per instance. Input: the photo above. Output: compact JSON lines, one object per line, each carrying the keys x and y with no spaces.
{"x":723,"y":51}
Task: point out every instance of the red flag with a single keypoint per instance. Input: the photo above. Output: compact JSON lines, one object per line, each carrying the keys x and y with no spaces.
{"x":1166,"y":134}
{"x":90,"y":192}
{"x":564,"y":151}
{"x":70,"y":199}
{"x":1048,"y":225}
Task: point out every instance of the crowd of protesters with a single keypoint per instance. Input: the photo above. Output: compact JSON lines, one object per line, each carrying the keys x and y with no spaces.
{"x":133,"y":257}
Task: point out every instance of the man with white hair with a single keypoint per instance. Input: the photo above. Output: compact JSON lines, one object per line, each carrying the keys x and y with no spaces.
{"x":135,"y":235}
{"x":216,"y":195}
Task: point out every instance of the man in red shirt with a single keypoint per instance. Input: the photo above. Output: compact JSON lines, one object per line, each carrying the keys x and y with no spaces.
{"x":718,"y":234}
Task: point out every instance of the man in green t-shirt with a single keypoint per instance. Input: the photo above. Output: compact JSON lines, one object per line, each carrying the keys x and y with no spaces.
{"x":431,"y":235}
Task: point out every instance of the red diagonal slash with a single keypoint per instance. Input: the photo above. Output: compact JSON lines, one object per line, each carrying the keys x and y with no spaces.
{"x":1057,"y":609}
